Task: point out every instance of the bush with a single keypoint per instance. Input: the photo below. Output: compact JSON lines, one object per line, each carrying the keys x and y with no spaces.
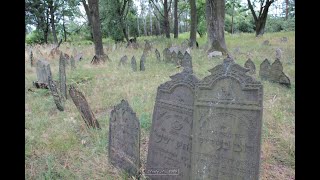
{"x":35,"y":37}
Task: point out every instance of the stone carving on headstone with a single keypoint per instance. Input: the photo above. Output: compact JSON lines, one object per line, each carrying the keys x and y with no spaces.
{"x":169,"y":150}
{"x":250,"y":65}
{"x":278,"y":53}
{"x":55,"y":94}
{"x":227,"y":121}
{"x":265,"y":68}
{"x":142,"y":61}
{"x":157,"y":55}
{"x":179,"y":58}
{"x":83,"y":107}
{"x":124,"y":139}
{"x":166,"y":55}
{"x":133,"y":63}
{"x":43,"y":72}
{"x":187,"y":61}
{"x":62,"y":76}
{"x":123,"y":60}
{"x":72,"y":62}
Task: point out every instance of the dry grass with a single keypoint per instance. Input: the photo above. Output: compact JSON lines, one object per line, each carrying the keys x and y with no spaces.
{"x":59,"y":146}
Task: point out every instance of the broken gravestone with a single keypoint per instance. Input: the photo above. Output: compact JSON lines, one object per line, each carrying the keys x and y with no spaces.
{"x":62,"y":76}
{"x":124,"y":139}
{"x":169,"y":150}
{"x":227,"y":121}
{"x":250,"y":65}
{"x":142,"y":61}
{"x":187,"y":61}
{"x":83,"y":107}
{"x":133,"y":63}
{"x":43,"y":72}
{"x":277,"y":75}
{"x":123,"y":60}
{"x":157,"y":55}
{"x":166,"y":55}
{"x":264,"y":72}
{"x":55,"y":94}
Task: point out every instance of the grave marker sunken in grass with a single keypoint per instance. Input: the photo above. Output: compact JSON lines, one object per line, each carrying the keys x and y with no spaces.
{"x":227,"y":121}
{"x":123,"y":60}
{"x":43,"y":72}
{"x":124,"y":138}
{"x":142,"y":61}
{"x":133,"y":63}
{"x":157,"y":55}
{"x":264,"y":72}
{"x":166,"y":55}
{"x":55,"y":94}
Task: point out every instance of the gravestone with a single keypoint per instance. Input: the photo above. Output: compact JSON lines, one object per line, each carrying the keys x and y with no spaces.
{"x":278,"y":53}
{"x":55,"y":94}
{"x":250,"y":65}
{"x":124,"y":139}
{"x":166,"y":55}
{"x":83,"y":107}
{"x":169,"y":150}
{"x":158,"y":55}
{"x":284,"y":39}
{"x":147,"y":47}
{"x":276,"y":71}
{"x":266,"y":43}
{"x":72,"y":62}
{"x":43,"y":72}
{"x":133,"y":63}
{"x":62,"y":76}
{"x":284,"y":80}
{"x":142,"y":61}
{"x":264,"y":72}
{"x":123,"y":60}
{"x":31,"y":59}
{"x":187,"y":61}
{"x":227,"y":121}
{"x":179,"y":58}
{"x":174,"y":57}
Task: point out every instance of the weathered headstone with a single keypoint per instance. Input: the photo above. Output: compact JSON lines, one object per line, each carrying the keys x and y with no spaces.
{"x":62,"y":76}
{"x":276,"y":71}
{"x":157,"y":55}
{"x":142,"y":61}
{"x":187,"y":61}
{"x":123,"y":60}
{"x":264,"y":72}
{"x":31,"y":59}
{"x":166,"y":55}
{"x":284,"y":80}
{"x":179,"y":58}
{"x":43,"y":72}
{"x":72,"y":62}
{"x":278,"y":53}
{"x":284,"y":39}
{"x":133,"y":63}
{"x":83,"y":107}
{"x":250,"y":65}
{"x":227,"y":121}
{"x":124,"y":139}
{"x":266,"y":43}
{"x":174,"y":57}
{"x":55,"y":94}
{"x":147,"y":47}
{"x":169,"y":150}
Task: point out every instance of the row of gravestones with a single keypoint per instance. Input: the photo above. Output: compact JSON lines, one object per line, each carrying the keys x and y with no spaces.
{"x":201,"y":129}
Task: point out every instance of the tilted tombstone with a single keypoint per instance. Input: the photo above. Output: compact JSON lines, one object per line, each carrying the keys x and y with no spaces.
{"x":157,"y":55}
{"x":133,"y":63}
{"x":264,"y":72}
{"x":227,"y":121}
{"x":62,"y":76}
{"x":166,"y":55}
{"x":55,"y":94}
{"x":142,"y":61}
{"x":169,"y":150}
{"x":278,"y":53}
{"x":179,"y":58}
{"x":276,"y":71}
{"x":250,"y":65}
{"x":187,"y":61}
{"x":72,"y":62}
{"x":83,"y":107}
{"x":123,"y":60}
{"x":43,"y":72}
{"x":124,"y":139}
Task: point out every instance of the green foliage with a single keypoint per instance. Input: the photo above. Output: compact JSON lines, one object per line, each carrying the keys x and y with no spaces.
{"x":35,"y":37}
{"x":277,"y":24}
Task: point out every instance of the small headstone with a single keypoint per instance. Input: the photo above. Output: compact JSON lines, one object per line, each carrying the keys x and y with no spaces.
{"x":169,"y":150}
{"x":43,"y":72}
{"x":250,"y":65}
{"x":179,"y":58}
{"x":31,"y":58}
{"x":83,"y":107}
{"x":55,"y":94}
{"x":166,"y":55}
{"x":227,"y":121}
{"x":123,"y":60}
{"x":214,"y":54}
{"x":284,"y":39}
{"x":276,"y":71}
{"x":147,"y":46}
{"x":158,"y":55}
{"x":62,"y":76}
{"x":187,"y":61}
{"x":133,"y":63}
{"x":266,"y":43}
{"x":124,"y":139}
{"x":142,"y":61}
{"x":278,"y":53}
{"x":265,"y":68}
{"x":72,"y":62}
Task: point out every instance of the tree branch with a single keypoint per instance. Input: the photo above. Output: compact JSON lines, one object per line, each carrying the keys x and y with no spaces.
{"x":157,"y":8}
{"x":252,"y":11}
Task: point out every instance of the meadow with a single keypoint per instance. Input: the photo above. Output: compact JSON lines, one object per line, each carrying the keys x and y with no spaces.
{"x":58,"y":145}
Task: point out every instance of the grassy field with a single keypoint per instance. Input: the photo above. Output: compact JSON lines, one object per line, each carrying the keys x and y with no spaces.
{"x":59,"y":146}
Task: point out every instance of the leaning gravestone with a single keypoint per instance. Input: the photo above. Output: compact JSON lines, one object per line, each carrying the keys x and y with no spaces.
{"x":227,"y":123}
{"x":250,"y":65}
{"x":133,"y":63}
{"x":276,"y":71}
{"x":55,"y":94}
{"x":123,"y":60}
{"x":83,"y":107}
{"x":62,"y":76}
{"x":169,"y":151}
{"x":157,"y":55}
{"x":166,"y":55}
{"x":43,"y":72}
{"x":142,"y":61}
{"x":264,"y":72}
{"x":124,"y":139}
{"x":187,"y":61}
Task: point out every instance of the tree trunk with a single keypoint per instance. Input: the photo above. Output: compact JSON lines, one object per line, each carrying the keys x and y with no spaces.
{"x":64,"y":30}
{"x":138,"y":27}
{"x":150,"y":19}
{"x":166,"y":19}
{"x":287,"y":9}
{"x":96,"y":29}
{"x":54,"y":33}
{"x":232,"y":18}
{"x":86,"y":8}
{"x":193,"y":27}
{"x":215,"y":13}
{"x":145,"y":26}
{"x":175,"y":24}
